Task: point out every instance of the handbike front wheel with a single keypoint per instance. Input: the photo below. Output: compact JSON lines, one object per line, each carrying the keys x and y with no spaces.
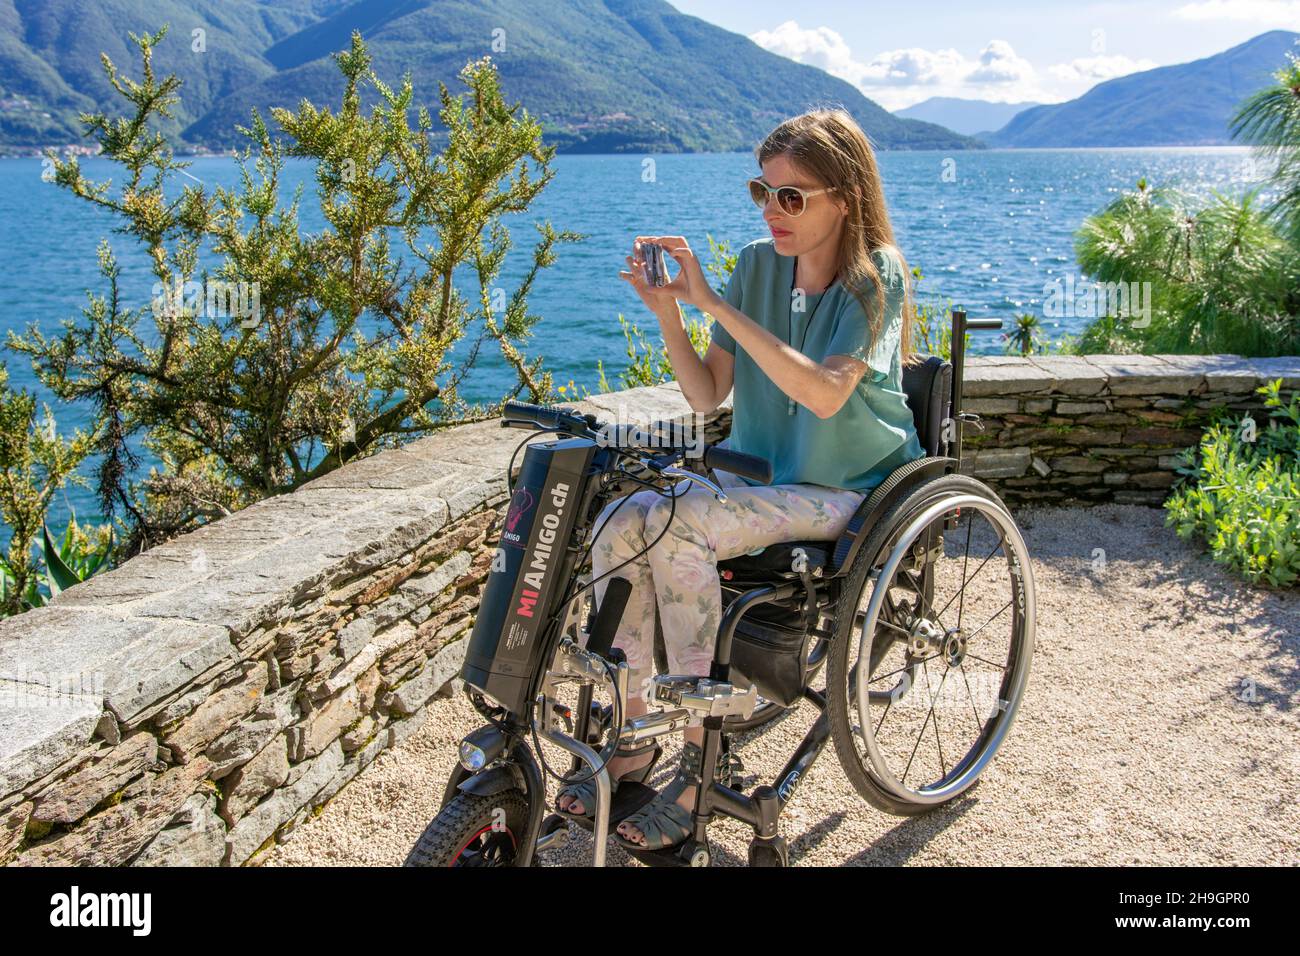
{"x":934,"y":637}
{"x":474,"y":830}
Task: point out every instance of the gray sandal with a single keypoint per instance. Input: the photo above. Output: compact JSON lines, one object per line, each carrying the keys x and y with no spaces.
{"x":585,"y":790}
{"x":663,"y":822}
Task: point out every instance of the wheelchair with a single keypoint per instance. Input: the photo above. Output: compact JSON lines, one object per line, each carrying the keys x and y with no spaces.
{"x":920,"y":616}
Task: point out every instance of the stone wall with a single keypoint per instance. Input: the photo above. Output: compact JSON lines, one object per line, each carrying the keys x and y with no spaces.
{"x":1082,"y":429}
{"x":196,"y":704}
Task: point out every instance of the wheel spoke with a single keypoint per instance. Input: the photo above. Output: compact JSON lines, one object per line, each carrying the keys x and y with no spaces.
{"x":961,"y":591}
{"x":908,"y":616}
{"x":989,"y":621}
{"x":935,"y":720}
{"x":920,"y":592}
{"x":892,"y":626}
{"x":979,"y":725}
{"x":901,"y":669}
{"x":884,"y":715}
{"x":1000,"y":667}
{"x":928,"y":715}
{"x":965,"y":561}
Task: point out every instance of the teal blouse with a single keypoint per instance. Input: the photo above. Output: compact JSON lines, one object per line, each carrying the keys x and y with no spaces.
{"x":873,"y":433}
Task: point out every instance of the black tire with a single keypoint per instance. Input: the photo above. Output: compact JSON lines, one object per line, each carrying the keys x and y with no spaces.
{"x":872,"y":555}
{"x":468,"y":818}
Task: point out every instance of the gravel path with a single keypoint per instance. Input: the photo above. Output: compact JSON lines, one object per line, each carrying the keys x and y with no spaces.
{"x":1137,"y":741}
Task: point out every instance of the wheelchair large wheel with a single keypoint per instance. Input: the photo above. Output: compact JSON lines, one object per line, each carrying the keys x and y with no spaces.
{"x":934,"y":632}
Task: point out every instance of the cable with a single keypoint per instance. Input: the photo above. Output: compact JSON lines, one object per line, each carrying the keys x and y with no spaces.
{"x":617,"y":722}
{"x":617,"y":715}
{"x":540,"y":429}
{"x":672,"y":513}
{"x":673,"y":495}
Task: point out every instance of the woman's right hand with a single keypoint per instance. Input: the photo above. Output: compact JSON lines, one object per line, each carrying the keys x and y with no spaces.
{"x":656,"y":298}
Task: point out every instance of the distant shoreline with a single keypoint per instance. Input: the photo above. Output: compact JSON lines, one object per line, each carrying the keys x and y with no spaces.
{"x":1216,"y":148}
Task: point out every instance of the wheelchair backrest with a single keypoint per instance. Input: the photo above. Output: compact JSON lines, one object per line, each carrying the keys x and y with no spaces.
{"x":928,"y":386}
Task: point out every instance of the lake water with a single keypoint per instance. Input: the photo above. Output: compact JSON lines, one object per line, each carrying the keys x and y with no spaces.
{"x":987,"y":229}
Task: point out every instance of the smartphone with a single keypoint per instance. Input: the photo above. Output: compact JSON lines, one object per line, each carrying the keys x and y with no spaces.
{"x":653,"y":269}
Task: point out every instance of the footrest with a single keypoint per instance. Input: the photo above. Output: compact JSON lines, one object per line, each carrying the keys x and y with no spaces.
{"x":704,"y":696}
{"x":628,"y":799}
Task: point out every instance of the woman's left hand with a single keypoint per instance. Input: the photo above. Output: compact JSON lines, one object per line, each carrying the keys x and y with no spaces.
{"x":689,"y":285}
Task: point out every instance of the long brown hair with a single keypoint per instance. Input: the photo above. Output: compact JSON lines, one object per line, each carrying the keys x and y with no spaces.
{"x":829,"y":144}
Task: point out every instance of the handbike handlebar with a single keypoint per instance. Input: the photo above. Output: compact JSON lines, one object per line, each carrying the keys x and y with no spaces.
{"x":561,"y":418}
{"x":739,"y":463}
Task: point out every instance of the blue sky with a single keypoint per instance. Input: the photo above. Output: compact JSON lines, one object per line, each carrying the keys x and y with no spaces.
{"x":1001,"y":50}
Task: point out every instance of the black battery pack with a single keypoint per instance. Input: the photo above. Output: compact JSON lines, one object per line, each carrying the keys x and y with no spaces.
{"x":528,"y":572}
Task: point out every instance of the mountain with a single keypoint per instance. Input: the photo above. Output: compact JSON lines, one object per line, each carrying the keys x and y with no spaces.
{"x":970,"y":117}
{"x":50,"y":55}
{"x":1184,"y":105}
{"x":600,"y":75}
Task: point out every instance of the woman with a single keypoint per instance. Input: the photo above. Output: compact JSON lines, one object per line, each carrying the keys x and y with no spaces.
{"x":812,"y":333}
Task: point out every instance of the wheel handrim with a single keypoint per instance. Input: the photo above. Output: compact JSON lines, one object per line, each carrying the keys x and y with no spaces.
{"x":952,"y":653}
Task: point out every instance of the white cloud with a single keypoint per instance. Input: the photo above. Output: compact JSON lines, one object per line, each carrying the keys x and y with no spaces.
{"x":820,"y":47}
{"x":1276,"y":13}
{"x":1097,"y":69}
{"x":998,"y":63}
{"x":898,"y":78}
{"x":914,"y":67}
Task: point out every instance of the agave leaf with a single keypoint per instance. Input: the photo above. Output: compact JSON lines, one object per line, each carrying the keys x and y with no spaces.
{"x":57,"y":574}
{"x":67,"y":535}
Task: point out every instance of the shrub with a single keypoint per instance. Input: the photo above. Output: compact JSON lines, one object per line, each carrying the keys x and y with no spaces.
{"x":35,"y":462}
{"x":341,"y":342}
{"x":1223,"y":275}
{"x":1240,"y":493}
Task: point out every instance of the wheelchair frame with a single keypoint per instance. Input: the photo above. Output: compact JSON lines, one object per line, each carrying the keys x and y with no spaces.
{"x":807,"y":591}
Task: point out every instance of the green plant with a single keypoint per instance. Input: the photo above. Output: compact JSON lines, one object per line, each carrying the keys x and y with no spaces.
{"x":1224,"y":273}
{"x":1027,"y":336}
{"x":1222,"y":277}
{"x":327,"y":346}
{"x":35,"y":462}
{"x":933,"y":328}
{"x":1067,"y":344}
{"x":70,"y":561}
{"x":722,"y":262}
{"x":1270,"y":120}
{"x":1239,"y":492}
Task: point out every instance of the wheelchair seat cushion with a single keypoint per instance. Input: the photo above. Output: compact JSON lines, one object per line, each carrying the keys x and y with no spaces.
{"x":776,"y":558}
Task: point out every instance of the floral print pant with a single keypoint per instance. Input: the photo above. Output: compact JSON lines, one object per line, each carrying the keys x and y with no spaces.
{"x":680,"y":572}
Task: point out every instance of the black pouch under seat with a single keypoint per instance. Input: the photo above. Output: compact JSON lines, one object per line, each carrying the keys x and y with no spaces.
{"x":768,"y":651}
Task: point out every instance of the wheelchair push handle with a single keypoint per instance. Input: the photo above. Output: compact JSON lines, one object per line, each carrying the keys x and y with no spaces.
{"x":983,"y":323}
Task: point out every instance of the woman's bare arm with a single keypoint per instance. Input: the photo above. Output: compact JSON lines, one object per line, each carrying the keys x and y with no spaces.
{"x":704,"y":383}
{"x":822,"y":388}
